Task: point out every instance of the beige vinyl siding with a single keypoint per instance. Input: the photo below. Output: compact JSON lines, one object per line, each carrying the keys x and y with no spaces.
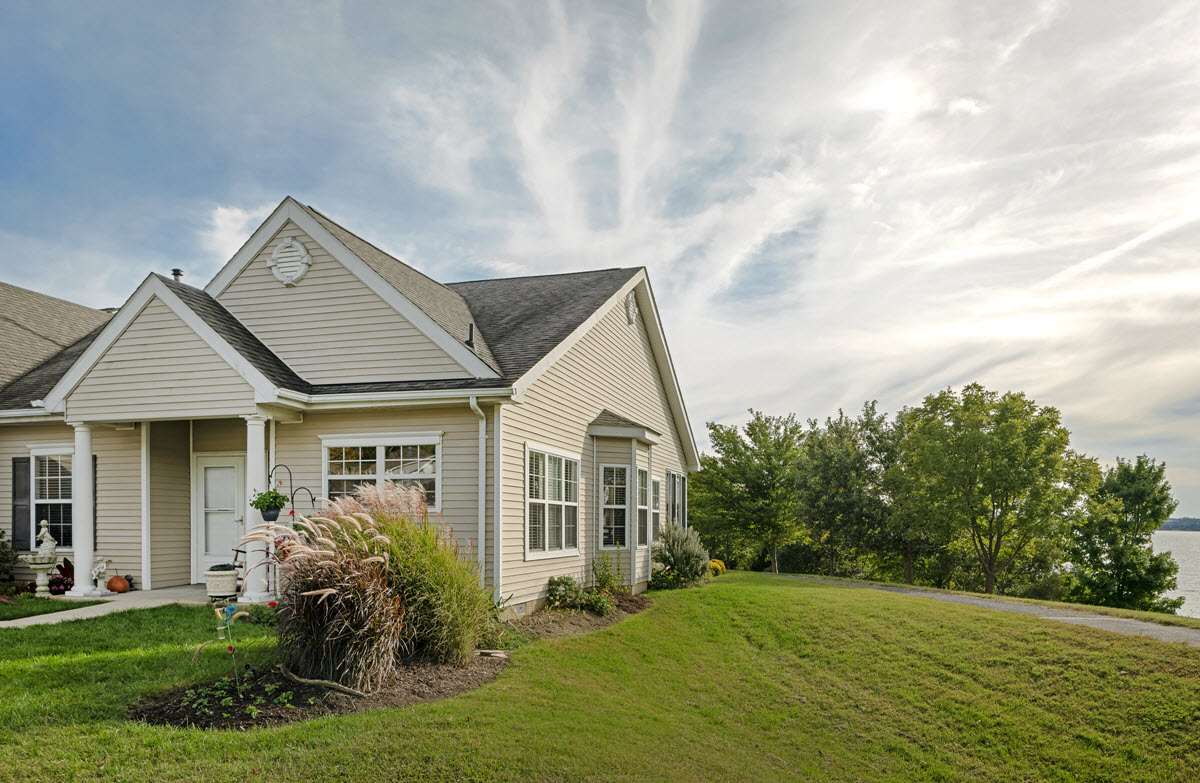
{"x":330,"y":327}
{"x":612,"y":367}
{"x":298,"y":446}
{"x":219,"y":435}
{"x":170,"y":506}
{"x":159,"y":369}
{"x":118,"y":488}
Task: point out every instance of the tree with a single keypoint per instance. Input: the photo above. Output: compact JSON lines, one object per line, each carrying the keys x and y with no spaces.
{"x":998,"y":469}
{"x":1113,"y":561}
{"x":744,"y":494}
{"x":837,"y":485}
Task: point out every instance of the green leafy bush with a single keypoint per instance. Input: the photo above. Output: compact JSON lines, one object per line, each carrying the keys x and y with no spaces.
{"x":565,"y":593}
{"x":8,"y":558}
{"x":607,"y":575}
{"x":666,"y":579}
{"x":679,"y":549}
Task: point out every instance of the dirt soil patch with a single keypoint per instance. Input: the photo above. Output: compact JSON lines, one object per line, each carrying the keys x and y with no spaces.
{"x":557,"y":623}
{"x":271,"y":699}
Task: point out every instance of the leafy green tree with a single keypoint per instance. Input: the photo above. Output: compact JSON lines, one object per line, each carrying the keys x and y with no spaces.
{"x":744,"y":494}
{"x":997,"y":469}
{"x":837,"y":485}
{"x":1113,"y":561}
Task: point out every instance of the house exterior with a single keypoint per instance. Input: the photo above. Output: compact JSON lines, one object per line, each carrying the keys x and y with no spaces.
{"x":541,"y":415}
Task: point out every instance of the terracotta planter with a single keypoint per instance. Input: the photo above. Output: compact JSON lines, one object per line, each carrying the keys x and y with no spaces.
{"x":221,"y":584}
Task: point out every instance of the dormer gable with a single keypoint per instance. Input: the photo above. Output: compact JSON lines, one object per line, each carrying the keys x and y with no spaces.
{"x":338,"y":310}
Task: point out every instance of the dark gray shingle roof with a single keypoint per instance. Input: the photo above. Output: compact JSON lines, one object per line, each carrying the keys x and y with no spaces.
{"x":35,"y":327}
{"x":526,"y":318}
{"x":523,"y":318}
{"x":237,"y":335}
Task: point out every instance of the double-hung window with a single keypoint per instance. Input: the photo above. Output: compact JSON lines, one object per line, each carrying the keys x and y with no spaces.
{"x":655,"y":506}
{"x":551,"y":503}
{"x":53,"y":497}
{"x":408,"y":460}
{"x":677,"y":498}
{"x":614,"y":486}
{"x":643,"y":507}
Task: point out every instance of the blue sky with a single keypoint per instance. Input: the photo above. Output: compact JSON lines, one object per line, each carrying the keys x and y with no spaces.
{"x":836,"y":202}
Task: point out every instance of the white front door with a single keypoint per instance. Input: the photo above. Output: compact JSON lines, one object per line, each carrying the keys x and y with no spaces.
{"x":218,"y":503}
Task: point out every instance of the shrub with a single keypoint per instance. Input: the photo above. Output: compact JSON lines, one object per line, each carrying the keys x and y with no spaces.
{"x":607,"y":575}
{"x":565,"y":593}
{"x":717,"y":567}
{"x":666,"y":579}
{"x":8,"y":558}
{"x":679,"y":549}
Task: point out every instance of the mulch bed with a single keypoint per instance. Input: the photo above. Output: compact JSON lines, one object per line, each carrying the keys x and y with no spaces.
{"x":260,"y":701}
{"x":557,"y":623}
{"x":264,"y":700}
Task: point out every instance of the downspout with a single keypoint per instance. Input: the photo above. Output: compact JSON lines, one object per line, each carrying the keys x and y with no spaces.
{"x":482,"y":490}
{"x":497,"y":496}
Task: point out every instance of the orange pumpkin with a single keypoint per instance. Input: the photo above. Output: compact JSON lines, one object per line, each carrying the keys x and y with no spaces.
{"x":118,"y":584}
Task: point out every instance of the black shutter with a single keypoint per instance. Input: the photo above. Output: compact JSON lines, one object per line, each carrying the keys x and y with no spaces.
{"x":21,"y":514}
{"x":95,"y":504}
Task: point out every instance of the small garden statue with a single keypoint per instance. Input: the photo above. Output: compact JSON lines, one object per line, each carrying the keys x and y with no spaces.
{"x":47,"y":546}
{"x":100,"y":569}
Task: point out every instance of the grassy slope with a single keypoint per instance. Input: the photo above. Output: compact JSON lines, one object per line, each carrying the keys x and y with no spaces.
{"x":1161,"y":618}
{"x":749,"y":678}
{"x":31,"y":606}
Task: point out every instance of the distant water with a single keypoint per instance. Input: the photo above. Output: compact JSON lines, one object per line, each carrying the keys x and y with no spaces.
{"x":1184,"y":546}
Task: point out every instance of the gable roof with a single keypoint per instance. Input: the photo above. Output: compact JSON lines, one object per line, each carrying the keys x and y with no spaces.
{"x":609,"y":419}
{"x":237,"y":335}
{"x":526,"y":318}
{"x":35,"y":327}
{"x":438,"y":301}
{"x":431,"y":307}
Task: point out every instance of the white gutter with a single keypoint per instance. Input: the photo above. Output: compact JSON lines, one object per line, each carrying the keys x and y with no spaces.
{"x":416,"y":395}
{"x":482,"y":489}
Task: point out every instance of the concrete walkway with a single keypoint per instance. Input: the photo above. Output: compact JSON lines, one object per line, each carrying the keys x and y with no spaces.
{"x":137,"y":599}
{"x":1166,"y":633}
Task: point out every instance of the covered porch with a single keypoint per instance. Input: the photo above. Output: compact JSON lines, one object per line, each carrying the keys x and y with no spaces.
{"x":197,"y":478}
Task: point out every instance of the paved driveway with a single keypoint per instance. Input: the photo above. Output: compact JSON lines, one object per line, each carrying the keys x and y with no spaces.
{"x":1167,"y":633}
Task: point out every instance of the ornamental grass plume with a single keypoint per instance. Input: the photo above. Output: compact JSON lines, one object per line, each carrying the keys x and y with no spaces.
{"x":371,"y":582}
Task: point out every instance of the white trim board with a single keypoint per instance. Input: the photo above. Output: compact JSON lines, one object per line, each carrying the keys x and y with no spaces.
{"x":290,"y":209}
{"x":152,"y":288}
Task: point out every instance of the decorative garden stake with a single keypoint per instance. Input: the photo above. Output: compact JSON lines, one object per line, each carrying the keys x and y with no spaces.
{"x":225,"y":616}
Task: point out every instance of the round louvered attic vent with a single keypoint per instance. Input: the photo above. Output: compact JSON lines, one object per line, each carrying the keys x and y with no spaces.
{"x":290,"y":261}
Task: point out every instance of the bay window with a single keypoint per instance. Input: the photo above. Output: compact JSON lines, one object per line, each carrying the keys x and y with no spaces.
{"x":614,"y":488}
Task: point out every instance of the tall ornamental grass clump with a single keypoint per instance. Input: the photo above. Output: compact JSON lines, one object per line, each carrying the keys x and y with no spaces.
{"x":370,"y":583}
{"x":678,"y":550}
{"x":340,"y":616}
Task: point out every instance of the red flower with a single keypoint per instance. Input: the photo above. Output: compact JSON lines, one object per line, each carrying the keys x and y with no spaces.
{"x":271,"y":604}
{"x":292,"y":512}
{"x":231,"y":649}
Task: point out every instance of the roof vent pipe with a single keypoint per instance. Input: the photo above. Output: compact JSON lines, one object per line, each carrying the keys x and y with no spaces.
{"x":470,"y":335}
{"x":177,"y":274}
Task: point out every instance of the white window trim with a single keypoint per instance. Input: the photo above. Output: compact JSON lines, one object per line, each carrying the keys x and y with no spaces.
{"x":49,"y":450}
{"x":376,"y":441}
{"x":642,"y":544}
{"x":553,"y":554}
{"x":605,"y":506}
{"x":655,"y":505}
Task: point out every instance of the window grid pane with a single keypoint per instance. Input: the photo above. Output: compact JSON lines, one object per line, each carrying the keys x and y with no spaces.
{"x":554,"y":526}
{"x":571,"y":524}
{"x":642,"y":514}
{"x":554,"y":476}
{"x":643,"y":489}
{"x":537,"y":527}
{"x":571,"y":484}
{"x":614,"y":527}
{"x":537,"y":475}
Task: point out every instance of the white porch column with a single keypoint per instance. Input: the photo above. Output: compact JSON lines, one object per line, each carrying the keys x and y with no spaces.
{"x":255,"y":588}
{"x":83,"y":522}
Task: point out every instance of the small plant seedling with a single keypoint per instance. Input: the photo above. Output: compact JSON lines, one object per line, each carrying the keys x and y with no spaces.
{"x":252,"y":711}
{"x":284,"y":698}
{"x":311,"y":700}
{"x":270,"y":688}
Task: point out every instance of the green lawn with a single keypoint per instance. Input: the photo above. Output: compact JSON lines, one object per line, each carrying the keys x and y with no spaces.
{"x":750,"y":678}
{"x":30,"y":606}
